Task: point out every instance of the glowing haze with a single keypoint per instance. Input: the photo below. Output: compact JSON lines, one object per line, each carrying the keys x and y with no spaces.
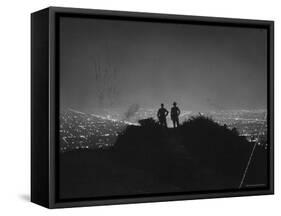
{"x":116,"y":64}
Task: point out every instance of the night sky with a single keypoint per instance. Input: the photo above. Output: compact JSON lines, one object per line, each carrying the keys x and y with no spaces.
{"x":114,"y":64}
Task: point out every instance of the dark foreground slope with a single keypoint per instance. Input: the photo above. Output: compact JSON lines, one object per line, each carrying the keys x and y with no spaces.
{"x":200,"y":155}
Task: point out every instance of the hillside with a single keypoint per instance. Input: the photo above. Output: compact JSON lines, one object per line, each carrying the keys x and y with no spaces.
{"x":200,"y":155}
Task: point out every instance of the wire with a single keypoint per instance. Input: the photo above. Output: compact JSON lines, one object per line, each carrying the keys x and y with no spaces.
{"x":251,"y":155}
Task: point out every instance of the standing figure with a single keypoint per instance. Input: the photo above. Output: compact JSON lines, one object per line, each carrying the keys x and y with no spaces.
{"x":175,"y":112}
{"x":162,"y":114}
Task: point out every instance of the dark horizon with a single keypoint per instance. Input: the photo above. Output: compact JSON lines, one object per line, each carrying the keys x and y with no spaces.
{"x":114,"y":64}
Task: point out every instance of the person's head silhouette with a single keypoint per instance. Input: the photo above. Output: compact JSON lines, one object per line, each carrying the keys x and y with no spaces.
{"x":162,"y":105}
{"x":175,"y":104}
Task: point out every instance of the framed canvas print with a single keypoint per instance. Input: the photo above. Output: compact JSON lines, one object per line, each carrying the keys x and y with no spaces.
{"x":140,"y":107}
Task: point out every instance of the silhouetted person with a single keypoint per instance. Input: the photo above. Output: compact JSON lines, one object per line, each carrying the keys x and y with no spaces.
{"x":175,"y":112}
{"x":162,"y":114}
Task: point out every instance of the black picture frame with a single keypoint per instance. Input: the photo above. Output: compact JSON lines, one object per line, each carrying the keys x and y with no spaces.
{"x":45,"y":104}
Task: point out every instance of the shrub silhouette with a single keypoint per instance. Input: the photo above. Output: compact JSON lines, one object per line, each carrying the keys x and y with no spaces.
{"x":148,"y":122}
{"x":198,"y":154}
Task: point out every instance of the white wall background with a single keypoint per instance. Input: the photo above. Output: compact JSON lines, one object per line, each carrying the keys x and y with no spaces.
{"x":15,"y":107}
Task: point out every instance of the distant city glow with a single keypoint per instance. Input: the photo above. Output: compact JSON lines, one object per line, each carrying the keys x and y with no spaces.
{"x":79,"y":130}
